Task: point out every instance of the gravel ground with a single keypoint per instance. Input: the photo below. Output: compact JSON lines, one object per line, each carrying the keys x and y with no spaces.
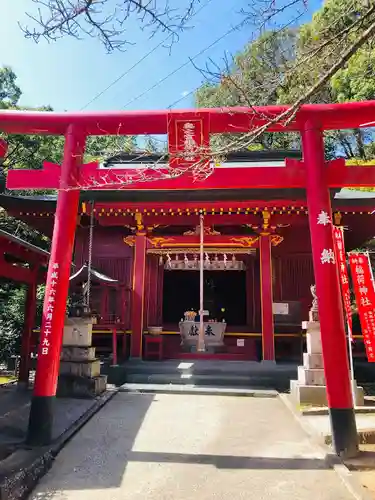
{"x":178,"y":447}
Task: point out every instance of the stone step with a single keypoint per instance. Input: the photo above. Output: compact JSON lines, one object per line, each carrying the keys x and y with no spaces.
{"x":247,"y":368}
{"x":200,"y":390}
{"x":316,"y":395}
{"x":242,"y":373}
{"x":207,"y":380}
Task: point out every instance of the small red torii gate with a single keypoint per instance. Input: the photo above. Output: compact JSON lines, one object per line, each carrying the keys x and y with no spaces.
{"x":313,"y":173}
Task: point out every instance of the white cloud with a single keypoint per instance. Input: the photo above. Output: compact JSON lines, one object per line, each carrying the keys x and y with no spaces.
{"x":185,"y":93}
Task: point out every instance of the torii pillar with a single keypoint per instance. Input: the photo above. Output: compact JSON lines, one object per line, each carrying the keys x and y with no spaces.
{"x":334,"y":347}
{"x":57,"y":285}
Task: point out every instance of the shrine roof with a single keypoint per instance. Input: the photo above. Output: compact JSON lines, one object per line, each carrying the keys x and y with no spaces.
{"x":24,"y":244}
{"x":270,"y":157}
{"x":83,"y":274}
{"x":45,"y":205}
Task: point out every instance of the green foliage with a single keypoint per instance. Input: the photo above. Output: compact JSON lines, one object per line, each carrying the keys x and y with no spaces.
{"x":255,"y":77}
{"x":9,"y":90}
{"x":100,"y":147}
{"x":26,"y":151}
{"x":23,"y":231}
{"x":356,"y":81}
{"x":151,"y":145}
{"x":282,"y":66}
{"x":12,"y":303}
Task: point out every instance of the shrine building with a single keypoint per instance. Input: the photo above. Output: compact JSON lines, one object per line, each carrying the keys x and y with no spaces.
{"x":141,"y":248}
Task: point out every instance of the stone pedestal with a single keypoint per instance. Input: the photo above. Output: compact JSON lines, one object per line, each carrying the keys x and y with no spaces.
{"x":310,"y":388}
{"x":79,"y":368}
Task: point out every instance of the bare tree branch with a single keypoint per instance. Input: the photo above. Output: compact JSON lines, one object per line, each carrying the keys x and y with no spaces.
{"x":265,"y":72}
{"x":351,"y":50}
{"x":106,"y":19}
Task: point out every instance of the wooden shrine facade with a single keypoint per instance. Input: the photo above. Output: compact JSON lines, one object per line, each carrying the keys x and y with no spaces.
{"x":158,"y":229}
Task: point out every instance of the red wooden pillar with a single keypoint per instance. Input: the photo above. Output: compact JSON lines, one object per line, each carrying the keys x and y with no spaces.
{"x":139,"y":272}
{"x":268,"y":341}
{"x":41,"y":412}
{"x":335,"y":357}
{"x":29,"y":319}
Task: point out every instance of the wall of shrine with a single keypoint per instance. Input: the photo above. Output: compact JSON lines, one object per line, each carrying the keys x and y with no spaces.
{"x":110,"y":255}
{"x":293,"y":268}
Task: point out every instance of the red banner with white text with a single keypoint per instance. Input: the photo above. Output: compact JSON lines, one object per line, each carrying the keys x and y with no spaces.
{"x":189,"y":141}
{"x":364,"y":290}
{"x":338,"y":234}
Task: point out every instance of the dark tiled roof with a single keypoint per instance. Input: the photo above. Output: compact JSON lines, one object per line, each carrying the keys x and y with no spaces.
{"x":23,"y":243}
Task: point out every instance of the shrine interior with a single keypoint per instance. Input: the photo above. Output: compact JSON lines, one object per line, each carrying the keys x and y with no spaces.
{"x":224,"y":292}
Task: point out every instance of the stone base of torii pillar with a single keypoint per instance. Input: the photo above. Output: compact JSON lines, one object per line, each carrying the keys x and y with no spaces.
{"x":310,"y":388}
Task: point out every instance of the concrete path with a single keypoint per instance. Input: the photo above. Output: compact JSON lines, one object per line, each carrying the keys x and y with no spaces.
{"x":177,"y":447}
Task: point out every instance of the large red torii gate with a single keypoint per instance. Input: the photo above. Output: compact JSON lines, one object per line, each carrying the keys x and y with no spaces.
{"x":313,"y":172}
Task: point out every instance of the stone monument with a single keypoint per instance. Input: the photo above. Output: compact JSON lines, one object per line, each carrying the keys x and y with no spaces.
{"x":310,"y":388}
{"x":79,"y":368}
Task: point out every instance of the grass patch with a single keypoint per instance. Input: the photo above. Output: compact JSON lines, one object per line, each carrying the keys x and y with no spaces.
{"x":6,"y":380}
{"x":305,"y":406}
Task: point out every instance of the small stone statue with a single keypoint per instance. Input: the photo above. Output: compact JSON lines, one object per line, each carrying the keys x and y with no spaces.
{"x":314,"y":311}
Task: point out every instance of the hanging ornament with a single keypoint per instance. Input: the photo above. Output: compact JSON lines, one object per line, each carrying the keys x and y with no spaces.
{"x":169,"y":260}
{"x":234,"y":263}
{"x":160,"y":260}
{"x":195,"y":260}
{"x":225,"y":260}
{"x":176,"y":257}
{"x":216,"y":261}
{"x":186,"y":260}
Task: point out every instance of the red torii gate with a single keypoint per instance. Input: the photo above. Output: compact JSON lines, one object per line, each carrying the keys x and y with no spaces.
{"x":313,"y":172}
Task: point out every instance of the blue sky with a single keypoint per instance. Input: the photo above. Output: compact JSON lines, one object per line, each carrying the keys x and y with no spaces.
{"x":68,"y":73}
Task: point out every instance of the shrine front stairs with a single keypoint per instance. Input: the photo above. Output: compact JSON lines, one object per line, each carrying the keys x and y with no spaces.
{"x":205,"y":373}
